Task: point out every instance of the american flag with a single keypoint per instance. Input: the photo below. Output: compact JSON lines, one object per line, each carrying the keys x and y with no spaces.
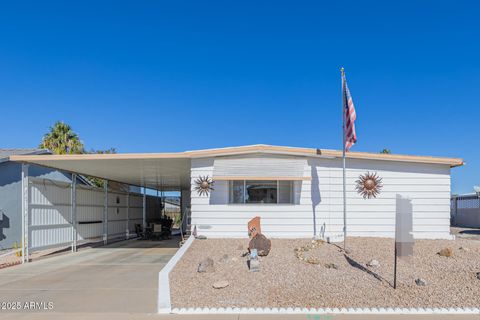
{"x":349,"y":116}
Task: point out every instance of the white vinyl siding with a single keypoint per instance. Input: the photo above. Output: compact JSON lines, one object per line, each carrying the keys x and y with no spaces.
{"x":427,"y":185}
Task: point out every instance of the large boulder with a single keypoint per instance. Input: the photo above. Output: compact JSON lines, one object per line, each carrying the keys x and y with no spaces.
{"x":206,"y":265}
{"x":261,"y":243}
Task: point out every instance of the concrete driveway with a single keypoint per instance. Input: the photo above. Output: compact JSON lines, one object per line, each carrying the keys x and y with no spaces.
{"x":117,"y":278}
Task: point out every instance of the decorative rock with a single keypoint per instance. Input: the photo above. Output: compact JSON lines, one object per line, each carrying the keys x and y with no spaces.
{"x":220,"y":284}
{"x":478,"y":275}
{"x":373,"y":263}
{"x":421,"y":282}
{"x":464,"y":249}
{"x":331,"y":266}
{"x":312,"y":260}
{"x":261,"y":243}
{"x":300,"y":251}
{"x":206,"y":265}
{"x":201,"y":237}
{"x":445,"y":252}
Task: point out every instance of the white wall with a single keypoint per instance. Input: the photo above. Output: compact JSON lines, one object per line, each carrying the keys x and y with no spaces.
{"x":428,"y":186}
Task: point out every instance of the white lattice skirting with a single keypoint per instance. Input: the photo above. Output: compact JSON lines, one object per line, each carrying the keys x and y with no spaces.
{"x":326,"y":311}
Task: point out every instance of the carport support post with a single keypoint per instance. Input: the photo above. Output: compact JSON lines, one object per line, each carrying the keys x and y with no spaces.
{"x":105,"y":212}
{"x":144,"y":212}
{"x":74,"y":212}
{"x":127,"y":234}
{"x":25,"y":210}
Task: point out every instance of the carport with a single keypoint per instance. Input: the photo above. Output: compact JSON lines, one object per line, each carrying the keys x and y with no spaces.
{"x":62,"y":223}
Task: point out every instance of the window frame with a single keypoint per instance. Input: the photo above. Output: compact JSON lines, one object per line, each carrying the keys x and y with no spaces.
{"x":230,"y":194}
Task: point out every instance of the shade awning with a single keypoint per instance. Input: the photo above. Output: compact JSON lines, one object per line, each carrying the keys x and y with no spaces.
{"x":260,"y":167}
{"x":155,"y":172}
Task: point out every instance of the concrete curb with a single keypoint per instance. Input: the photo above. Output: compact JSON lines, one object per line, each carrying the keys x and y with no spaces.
{"x":326,"y":311}
{"x":164,"y":304}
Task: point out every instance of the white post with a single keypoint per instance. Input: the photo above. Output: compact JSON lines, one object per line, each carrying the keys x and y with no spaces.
{"x":25,"y":212}
{"x":127,"y":235}
{"x":144,"y":212}
{"x":105,"y":212}
{"x":74,"y":212}
{"x":344,"y":105}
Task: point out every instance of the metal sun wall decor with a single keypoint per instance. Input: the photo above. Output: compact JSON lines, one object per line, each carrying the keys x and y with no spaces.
{"x":204,"y":184}
{"x":369,"y":185}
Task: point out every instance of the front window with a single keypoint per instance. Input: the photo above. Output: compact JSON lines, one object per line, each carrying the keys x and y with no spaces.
{"x":260,"y":191}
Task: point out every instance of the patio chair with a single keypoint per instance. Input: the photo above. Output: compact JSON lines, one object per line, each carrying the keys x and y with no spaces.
{"x":167,"y":224}
{"x":140,"y":232}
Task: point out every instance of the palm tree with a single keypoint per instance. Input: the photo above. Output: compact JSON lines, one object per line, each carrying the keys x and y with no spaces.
{"x":62,"y":140}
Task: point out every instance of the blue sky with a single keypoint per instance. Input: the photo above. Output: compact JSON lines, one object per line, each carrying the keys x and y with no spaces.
{"x":152,"y":76}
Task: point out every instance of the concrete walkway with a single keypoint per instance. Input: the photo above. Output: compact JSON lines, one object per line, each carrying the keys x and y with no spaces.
{"x":118,"y":278}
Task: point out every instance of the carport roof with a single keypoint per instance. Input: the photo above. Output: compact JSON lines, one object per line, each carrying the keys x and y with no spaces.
{"x":172,"y":170}
{"x":5,"y":154}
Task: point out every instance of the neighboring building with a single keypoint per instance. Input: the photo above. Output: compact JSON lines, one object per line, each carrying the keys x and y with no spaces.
{"x":465,"y":210}
{"x":297,"y":192}
{"x":11,"y":195}
{"x":171,"y":204}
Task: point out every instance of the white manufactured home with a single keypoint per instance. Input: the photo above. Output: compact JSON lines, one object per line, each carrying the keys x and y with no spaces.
{"x":297,"y":192}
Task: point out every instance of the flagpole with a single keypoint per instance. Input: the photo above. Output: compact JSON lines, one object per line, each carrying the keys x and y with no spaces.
{"x":342,"y":71}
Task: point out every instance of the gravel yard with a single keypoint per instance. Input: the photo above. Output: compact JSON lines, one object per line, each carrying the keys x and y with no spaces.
{"x":286,"y":281}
